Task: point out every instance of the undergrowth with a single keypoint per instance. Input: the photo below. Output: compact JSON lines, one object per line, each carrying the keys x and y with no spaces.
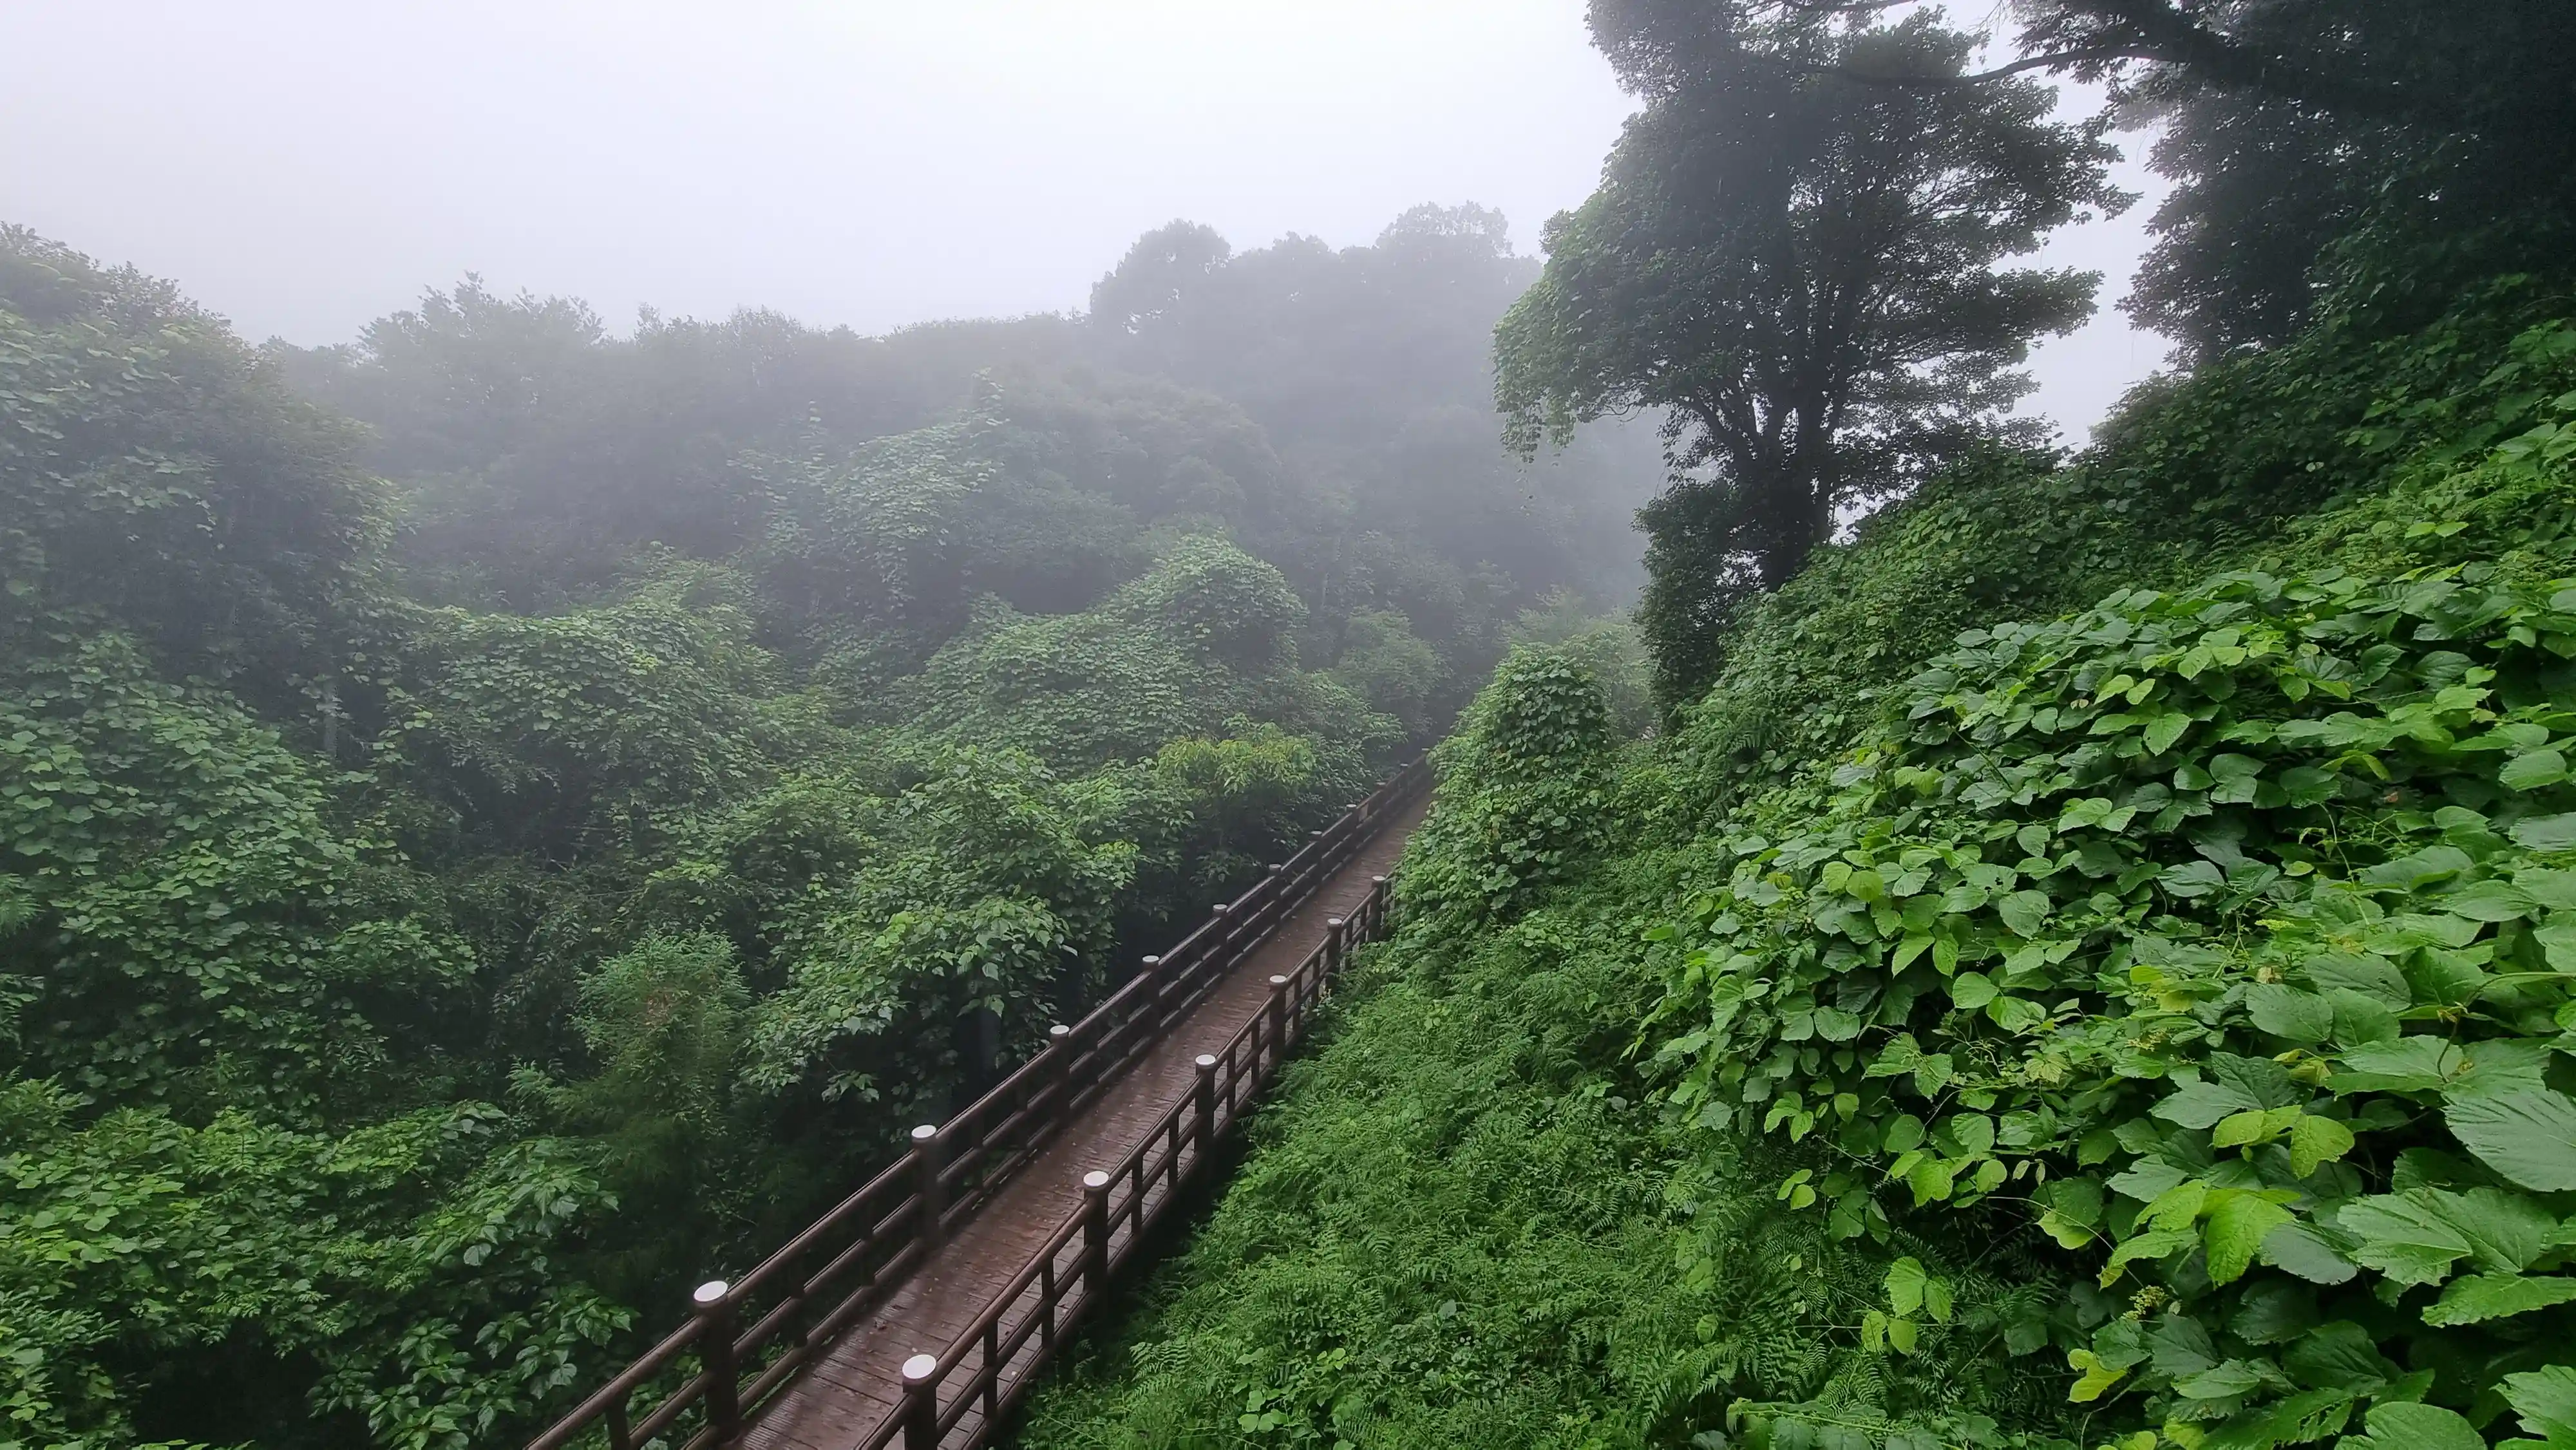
{"x":2148,"y":1028}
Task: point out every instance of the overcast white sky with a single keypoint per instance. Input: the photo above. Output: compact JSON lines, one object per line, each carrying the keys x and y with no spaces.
{"x":304,"y":165}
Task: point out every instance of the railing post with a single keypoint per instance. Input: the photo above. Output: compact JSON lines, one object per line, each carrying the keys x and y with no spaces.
{"x":712,"y":1302}
{"x":1377,"y":907}
{"x":1278,"y":1009}
{"x":1336,"y":945}
{"x":927,"y":1187}
{"x":921,"y":1402}
{"x":1207,"y":1104}
{"x":1095,"y":1229}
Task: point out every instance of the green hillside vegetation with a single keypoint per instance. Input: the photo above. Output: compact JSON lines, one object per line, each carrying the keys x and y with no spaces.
{"x":2006,"y":947}
{"x":2085,"y":962}
{"x":1936,"y":1006}
{"x":501,"y":820}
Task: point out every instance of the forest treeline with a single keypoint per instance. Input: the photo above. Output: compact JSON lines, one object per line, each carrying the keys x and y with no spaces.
{"x":502,"y":818}
{"x":2089,"y":962}
{"x":2014,"y":947}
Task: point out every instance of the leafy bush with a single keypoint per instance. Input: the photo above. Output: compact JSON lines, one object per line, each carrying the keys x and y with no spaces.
{"x":408,"y":1274}
{"x":1607,"y":645}
{"x":1523,"y":784}
{"x":2193,"y":473}
{"x":1461,"y":1223}
{"x":185,"y":922}
{"x":2061,"y":1061}
{"x":2218,"y":929}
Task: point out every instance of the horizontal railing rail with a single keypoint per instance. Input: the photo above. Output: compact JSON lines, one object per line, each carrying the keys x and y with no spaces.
{"x":955,"y":1397}
{"x":746,"y":1338}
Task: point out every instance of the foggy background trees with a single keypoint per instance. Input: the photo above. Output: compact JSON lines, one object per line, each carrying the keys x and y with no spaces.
{"x":503,"y":813}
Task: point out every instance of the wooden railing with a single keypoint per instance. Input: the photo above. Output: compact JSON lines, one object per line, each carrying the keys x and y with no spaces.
{"x":747,"y":1337}
{"x":955,"y":1397}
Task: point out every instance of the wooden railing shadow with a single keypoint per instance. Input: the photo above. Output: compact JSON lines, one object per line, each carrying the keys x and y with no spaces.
{"x":746,"y":1338}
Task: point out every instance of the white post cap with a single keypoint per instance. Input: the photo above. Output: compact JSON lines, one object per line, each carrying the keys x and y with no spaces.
{"x":920,"y":1367}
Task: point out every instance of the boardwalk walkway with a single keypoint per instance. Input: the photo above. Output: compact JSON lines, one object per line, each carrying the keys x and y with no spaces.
{"x":847,"y":1397}
{"x":918,"y":1310}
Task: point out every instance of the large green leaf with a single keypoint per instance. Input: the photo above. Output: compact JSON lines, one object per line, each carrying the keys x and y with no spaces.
{"x":2403,"y":1065}
{"x":2288,"y":1013}
{"x":2479,"y":1297}
{"x":2315,"y":1141}
{"x":2372,"y":976}
{"x":2529,"y":1136}
{"x":2533,"y":769}
{"x":2489,"y":901}
{"x":2406,"y":1239}
{"x":2415,"y":1236}
{"x":2338,"y":1354}
{"x":2234,"y":1085}
{"x":2024,"y":911}
{"x":2546,"y":1401}
{"x":2548,"y":833}
{"x":2415,"y":1427}
{"x":2299,"y":1249}
{"x":2235,"y":1231}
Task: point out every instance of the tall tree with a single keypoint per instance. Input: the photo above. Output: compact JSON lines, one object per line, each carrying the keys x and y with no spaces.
{"x":2389,"y":151}
{"x":2392,"y":150}
{"x":1800,"y":265}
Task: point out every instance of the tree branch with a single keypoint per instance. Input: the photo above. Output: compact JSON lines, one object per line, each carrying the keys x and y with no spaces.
{"x":2051,"y":61}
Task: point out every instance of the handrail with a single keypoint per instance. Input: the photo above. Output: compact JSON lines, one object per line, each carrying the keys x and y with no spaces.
{"x":871,"y":1238}
{"x":1072,"y":1270}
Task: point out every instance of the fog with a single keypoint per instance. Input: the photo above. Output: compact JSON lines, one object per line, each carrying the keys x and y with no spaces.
{"x":303,"y":167}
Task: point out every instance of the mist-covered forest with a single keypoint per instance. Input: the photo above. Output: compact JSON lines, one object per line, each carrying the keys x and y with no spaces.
{"x":504,"y":813}
{"x":1926,"y":935}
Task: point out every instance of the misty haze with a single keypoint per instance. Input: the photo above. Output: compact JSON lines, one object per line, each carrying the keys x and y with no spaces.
{"x":1659,"y":723}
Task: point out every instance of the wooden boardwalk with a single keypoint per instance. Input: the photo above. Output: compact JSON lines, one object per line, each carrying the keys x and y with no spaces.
{"x":917,"y":1310}
{"x":847,"y":1396}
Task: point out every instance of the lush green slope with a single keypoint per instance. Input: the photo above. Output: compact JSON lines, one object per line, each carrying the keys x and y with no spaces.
{"x":2034,"y":1034}
{"x":445,"y":914}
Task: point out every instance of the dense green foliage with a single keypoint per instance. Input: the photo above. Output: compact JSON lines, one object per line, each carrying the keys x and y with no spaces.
{"x":502,"y":818}
{"x":468,"y":872}
{"x":2371,"y":153}
{"x":2143,"y":1022}
{"x":1802,"y":269}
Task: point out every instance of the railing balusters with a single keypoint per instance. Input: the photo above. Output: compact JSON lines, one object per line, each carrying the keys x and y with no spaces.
{"x":982,"y":1351}
{"x":873,"y":1237}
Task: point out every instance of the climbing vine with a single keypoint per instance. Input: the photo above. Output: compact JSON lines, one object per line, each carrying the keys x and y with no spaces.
{"x":2227,"y":938}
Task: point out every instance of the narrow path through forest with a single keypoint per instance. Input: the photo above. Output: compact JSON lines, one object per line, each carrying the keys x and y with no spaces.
{"x":848,"y":1396}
